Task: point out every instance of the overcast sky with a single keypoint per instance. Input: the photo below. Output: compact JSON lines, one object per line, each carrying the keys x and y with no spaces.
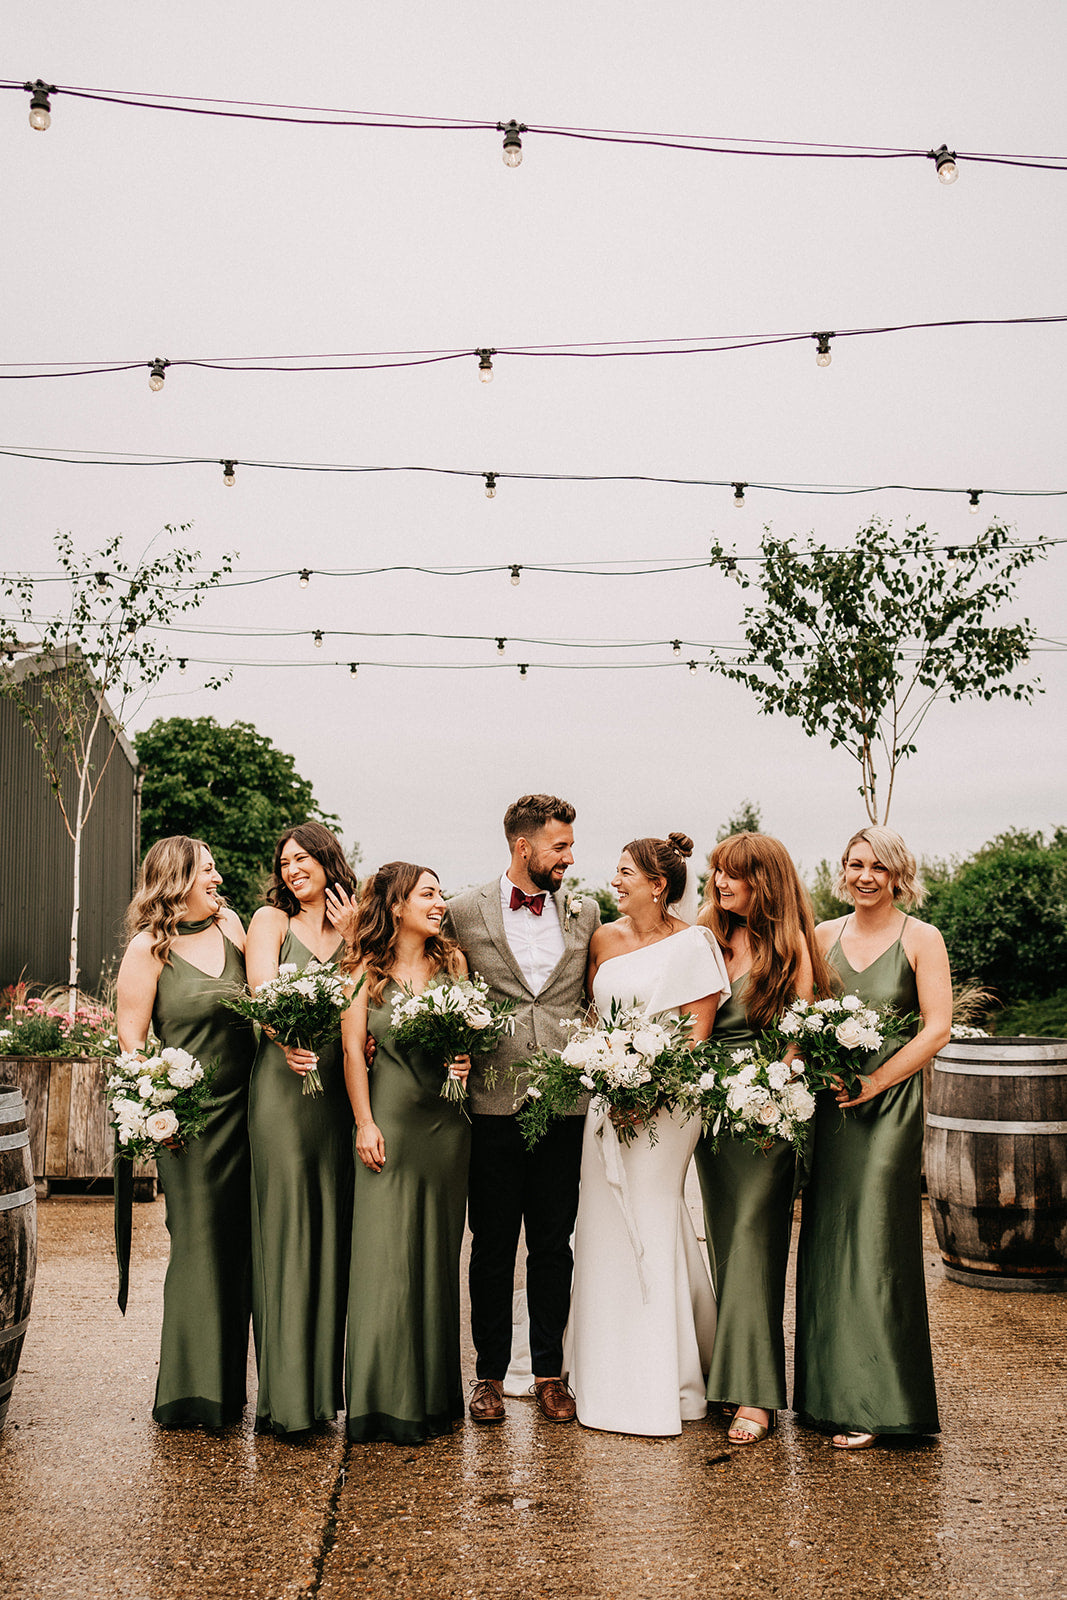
{"x":135,"y":233}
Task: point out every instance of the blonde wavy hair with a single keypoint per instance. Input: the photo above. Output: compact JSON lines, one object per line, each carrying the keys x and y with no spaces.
{"x":892,"y":853}
{"x":167,"y":874}
{"x":373,"y":941}
{"x":781,"y":927}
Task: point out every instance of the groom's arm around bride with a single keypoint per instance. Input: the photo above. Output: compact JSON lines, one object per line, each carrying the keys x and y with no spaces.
{"x":529,"y":941}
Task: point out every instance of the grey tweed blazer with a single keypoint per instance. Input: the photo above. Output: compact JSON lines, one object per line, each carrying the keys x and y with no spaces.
{"x":475,"y":920}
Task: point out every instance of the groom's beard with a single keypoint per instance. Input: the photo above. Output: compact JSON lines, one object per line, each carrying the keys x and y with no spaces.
{"x":548,"y":879}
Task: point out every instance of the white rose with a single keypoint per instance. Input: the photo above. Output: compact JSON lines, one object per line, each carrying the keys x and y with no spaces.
{"x":145,"y":1085}
{"x":477,"y":1017}
{"x":176,"y":1058}
{"x":798,"y":1101}
{"x":579,"y":1052}
{"x":161,"y":1125}
{"x":849,"y":1033}
{"x":768,"y":1114}
{"x":649,"y":1042}
{"x":851,"y":1002}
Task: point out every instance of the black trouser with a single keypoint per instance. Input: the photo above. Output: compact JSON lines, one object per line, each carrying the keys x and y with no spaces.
{"x":511,"y":1187}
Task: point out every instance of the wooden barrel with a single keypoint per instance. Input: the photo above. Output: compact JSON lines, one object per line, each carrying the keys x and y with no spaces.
{"x":18,"y":1237}
{"x":996,"y":1162}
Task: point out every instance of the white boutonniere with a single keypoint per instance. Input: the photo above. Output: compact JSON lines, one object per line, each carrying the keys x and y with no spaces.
{"x":574,"y":905}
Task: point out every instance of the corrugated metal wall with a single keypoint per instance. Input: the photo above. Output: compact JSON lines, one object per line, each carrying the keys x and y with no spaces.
{"x":37,"y":859}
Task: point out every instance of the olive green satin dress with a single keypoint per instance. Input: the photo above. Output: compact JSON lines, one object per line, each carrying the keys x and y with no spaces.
{"x":863,"y":1358}
{"x":207,"y":1295}
{"x":301,"y":1231}
{"x":748,"y":1214}
{"x":402,"y":1369}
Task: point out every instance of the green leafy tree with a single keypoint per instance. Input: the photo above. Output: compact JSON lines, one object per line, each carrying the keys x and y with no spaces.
{"x":748,"y":818}
{"x":107,"y":642}
{"x":1003,"y":914}
{"x":604,"y":897}
{"x":824,"y":903}
{"x":230,"y":786}
{"x":860,"y":643}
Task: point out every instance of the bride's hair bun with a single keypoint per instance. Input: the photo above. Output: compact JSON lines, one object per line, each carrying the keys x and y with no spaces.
{"x":682,"y":843}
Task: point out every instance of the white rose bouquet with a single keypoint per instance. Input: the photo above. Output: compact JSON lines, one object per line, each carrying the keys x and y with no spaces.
{"x":745,"y":1093}
{"x":835,"y":1036}
{"x":452,"y":1017}
{"x":638,"y":1063}
{"x":299,"y":1009}
{"x":158,"y":1100}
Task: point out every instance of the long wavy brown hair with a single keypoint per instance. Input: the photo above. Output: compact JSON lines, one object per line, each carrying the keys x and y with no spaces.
{"x":325,"y":847}
{"x":167,"y":874}
{"x":779,"y":918}
{"x":375,"y":934}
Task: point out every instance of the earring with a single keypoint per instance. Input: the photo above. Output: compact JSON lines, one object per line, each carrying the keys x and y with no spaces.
{"x":655,"y":899}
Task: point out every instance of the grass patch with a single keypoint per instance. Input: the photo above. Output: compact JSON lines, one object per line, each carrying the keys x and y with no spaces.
{"x":1045,"y":1018}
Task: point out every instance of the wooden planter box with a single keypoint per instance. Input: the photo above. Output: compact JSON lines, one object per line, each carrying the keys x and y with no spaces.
{"x":71,"y":1137}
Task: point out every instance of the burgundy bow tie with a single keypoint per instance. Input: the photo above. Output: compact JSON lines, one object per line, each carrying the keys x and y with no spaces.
{"x":532,"y":902}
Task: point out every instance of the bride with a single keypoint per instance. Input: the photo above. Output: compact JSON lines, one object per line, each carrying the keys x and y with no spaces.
{"x":642,"y":1317}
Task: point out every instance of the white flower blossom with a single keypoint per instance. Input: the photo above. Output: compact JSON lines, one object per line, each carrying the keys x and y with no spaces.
{"x":161,"y":1125}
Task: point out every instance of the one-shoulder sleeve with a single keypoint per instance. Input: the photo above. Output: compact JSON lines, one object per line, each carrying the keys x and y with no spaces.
{"x":692,"y":967}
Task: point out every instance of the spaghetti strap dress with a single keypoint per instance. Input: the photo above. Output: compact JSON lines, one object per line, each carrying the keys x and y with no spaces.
{"x":863,"y":1359}
{"x":301,"y":1230}
{"x":403,"y":1382}
{"x":748,"y":1216}
{"x":207,"y":1295}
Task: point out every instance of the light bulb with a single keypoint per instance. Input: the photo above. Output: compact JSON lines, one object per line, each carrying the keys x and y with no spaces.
{"x":692,"y":669}
{"x":485,"y":364}
{"x":516,"y":574}
{"x":512,"y":142}
{"x":739,"y":496}
{"x":500,"y":646}
{"x":523,"y":669}
{"x":353,"y":669}
{"x":822,"y":349}
{"x":182,"y":663}
{"x":944,"y":160}
{"x":676,"y":646}
{"x":40,"y":105}
{"x":101,"y":582}
{"x":490,"y":485}
{"x":317,"y":636}
{"x":229,"y":473}
{"x":973,"y":506}
{"x":305,"y":577}
{"x":159,"y":373}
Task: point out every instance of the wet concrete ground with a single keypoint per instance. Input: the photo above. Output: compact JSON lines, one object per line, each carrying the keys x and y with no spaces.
{"x":96,"y":1501}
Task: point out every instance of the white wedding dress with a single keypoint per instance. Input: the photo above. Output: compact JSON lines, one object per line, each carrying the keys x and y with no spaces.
{"x":642,"y":1316}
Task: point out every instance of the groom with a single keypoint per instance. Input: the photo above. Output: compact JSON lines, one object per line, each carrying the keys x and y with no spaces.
{"x":530,"y":943}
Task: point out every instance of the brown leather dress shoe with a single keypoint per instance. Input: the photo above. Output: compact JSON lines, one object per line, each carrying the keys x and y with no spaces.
{"x":487,"y":1401}
{"x":555,"y":1400}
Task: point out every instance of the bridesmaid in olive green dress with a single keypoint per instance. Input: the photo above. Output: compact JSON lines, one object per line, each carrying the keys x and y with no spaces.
{"x":184,"y":956}
{"x":759,"y":912}
{"x":402,"y":1372}
{"x":863,"y":1360}
{"x":301,"y":1152}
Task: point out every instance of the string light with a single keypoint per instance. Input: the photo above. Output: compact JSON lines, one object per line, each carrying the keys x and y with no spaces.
{"x":516,"y":575}
{"x":512,"y":142}
{"x":676,"y":646}
{"x":490,"y":485}
{"x":485,"y":364}
{"x":159,"y":373}
{"x":823,"y":357}
{"x":101,"y":582}
{"x":40,"y":105}
{"x":305,"y":577}
{"x":317,"y":636}
{"x":972,"y":505}
{"x":182,"y":664}
{"x":500,"y":643}
{"x":950,"y":556}
{"x":944,"y":161}
{"x":692,"y":669}
{"x":229,"y":473}
{"x":131,"y":626}
{"x":353,"y":669}
{"x":739,"y":495}
{"x":523,"y":668}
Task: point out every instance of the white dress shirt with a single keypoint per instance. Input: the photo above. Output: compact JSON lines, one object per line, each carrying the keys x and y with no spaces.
{"x":536,"y":942}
